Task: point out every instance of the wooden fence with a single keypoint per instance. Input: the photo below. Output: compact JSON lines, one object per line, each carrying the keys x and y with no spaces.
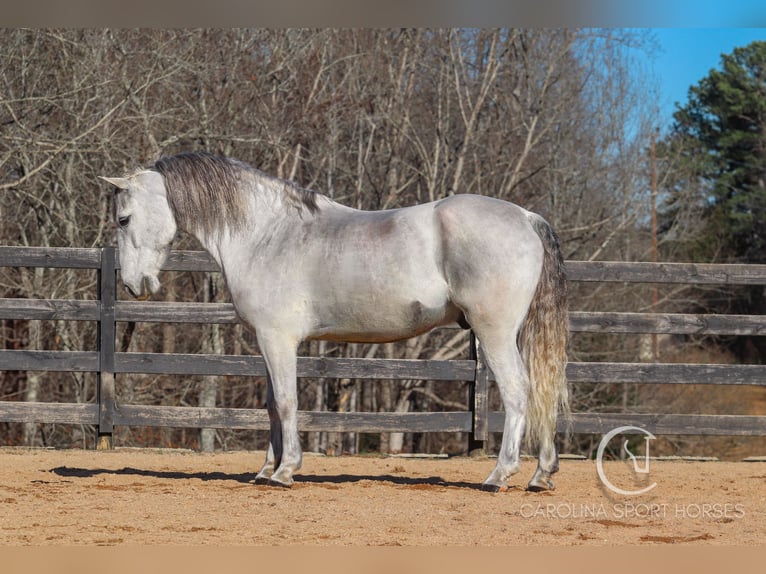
{"x":105,"y":413}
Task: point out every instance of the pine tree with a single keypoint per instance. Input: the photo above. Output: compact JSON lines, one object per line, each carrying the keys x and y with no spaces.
{"x":716,"y":194}
{"x":721,"y":135}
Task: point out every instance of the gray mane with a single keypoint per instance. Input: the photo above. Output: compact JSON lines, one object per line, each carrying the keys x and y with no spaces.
{"x":206,"y":191}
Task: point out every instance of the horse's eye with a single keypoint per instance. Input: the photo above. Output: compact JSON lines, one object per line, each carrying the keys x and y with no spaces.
{"x":123,"y":221}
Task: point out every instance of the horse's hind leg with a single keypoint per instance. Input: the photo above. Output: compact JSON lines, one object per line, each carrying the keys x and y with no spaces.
{"x":505,"y":360}
{"x":503,"y":357}
{"x":547,"y":464}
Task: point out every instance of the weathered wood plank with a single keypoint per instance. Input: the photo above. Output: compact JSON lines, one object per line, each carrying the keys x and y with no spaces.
{"x":61,"y":257}
{"x":224,"y":313}
{"x":663,"y":424}
{"x":620,"y":271}
{"x":49,"y":309}
{"x":328,"y":367}
{"x":659,"y":424}
{"x":28,"y":360}
{"x":190,"y":364}
{"x":190,"y":261}
{"x":183,"y":260}
{"x":352,"y":368}
{"x":667,"y":323}
{"x":324,"y":367}
{"x":257,"y":419}
{"x":190,"y":417}
{"x":52,"y":413}
{"x":666,"y":373}
{"x":166,"y":312}
{"x":454,"y":421}
{"x":691,"y":273}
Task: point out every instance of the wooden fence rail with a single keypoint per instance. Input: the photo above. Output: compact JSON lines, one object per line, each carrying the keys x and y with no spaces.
{"x":105,"y":413}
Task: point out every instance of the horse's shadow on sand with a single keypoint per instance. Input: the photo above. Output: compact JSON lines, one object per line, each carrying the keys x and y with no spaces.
{"x":249,"y":477}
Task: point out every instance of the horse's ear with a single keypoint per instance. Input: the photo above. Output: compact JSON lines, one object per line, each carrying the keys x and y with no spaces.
{"x":118,"y":182}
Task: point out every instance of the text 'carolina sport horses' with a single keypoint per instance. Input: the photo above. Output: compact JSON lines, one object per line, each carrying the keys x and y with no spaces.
{"x":299,"y":266}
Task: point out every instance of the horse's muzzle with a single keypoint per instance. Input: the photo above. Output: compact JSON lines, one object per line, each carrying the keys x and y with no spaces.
{"x":143,"y":295}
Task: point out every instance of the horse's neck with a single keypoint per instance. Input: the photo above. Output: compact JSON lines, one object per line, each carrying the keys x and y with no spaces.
{"x":212,"y":245}
{"x":266,"y":215}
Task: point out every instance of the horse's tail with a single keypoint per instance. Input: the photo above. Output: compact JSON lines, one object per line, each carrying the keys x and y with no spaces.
{"x":543,"y":341}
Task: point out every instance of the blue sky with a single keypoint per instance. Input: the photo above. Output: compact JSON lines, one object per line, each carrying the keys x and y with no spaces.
{"x":686,"y":55}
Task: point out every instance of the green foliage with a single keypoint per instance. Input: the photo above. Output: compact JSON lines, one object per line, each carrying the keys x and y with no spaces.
{"x":715,"y":155}
{"x":719,"y":137}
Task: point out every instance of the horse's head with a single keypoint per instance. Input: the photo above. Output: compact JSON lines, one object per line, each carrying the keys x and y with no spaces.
{"x":146,"y":228}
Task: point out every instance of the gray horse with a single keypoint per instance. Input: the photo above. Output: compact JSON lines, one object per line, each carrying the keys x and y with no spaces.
{"x":299,"y":266}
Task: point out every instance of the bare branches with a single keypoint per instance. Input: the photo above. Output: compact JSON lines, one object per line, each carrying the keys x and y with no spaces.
{"x":67,"y":144}
{"x":375,"y":118}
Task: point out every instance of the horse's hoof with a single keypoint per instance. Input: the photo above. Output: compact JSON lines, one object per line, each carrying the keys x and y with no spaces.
{"x":540,"y":484}
{"x":490,"y":487}
{"x":264,"y":475}
{"x":280,"y":484}
{"x":282,"y":480}
{"x":497,"y":481}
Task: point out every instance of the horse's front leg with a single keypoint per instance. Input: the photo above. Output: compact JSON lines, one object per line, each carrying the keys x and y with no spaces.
{"x":274,"y":453}
{"x":284,"y":456}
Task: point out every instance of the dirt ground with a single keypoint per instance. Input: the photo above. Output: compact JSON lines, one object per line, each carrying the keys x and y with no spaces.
{"x":153,"y":497}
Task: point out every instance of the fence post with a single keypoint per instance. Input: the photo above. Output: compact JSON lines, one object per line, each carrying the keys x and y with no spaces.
{"x":107,"y":283}
{"x":479,"y":402}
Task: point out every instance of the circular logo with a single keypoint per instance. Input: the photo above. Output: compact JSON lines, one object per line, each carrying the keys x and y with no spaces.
{"x":637,"y":467}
